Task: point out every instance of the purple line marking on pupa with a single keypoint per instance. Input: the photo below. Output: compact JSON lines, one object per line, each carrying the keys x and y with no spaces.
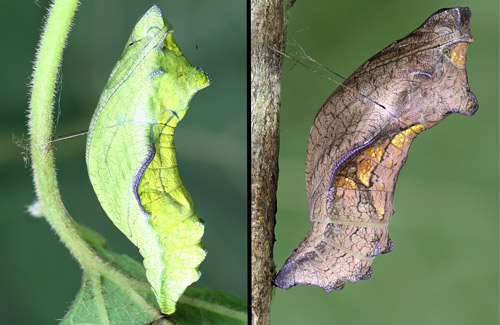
{"x":331,"y":188}
{"x":138,"y":176}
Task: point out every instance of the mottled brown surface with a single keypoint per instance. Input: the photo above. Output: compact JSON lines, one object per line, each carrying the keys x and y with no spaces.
{"x":267,"y":33}
{"x":360,"y":141}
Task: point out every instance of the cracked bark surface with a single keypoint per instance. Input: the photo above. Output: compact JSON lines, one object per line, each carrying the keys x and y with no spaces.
{"x":268,"y":28}
{"x":360,"y":141}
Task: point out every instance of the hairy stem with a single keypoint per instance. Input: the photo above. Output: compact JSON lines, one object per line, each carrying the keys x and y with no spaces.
{"x":40,"y":123}
{"x":47,"y":64}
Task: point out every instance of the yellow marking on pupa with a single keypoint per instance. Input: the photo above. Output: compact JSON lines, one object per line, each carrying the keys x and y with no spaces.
{"x":364,"y":170}
{"x":458,"y":54}
{"x":380,"y":211}
{"x":344,"y":182}
{"x":366,"y":166}
{"x":403,"y":139}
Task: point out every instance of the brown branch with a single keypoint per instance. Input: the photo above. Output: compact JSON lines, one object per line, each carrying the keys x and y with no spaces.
{"x":268,"y":26}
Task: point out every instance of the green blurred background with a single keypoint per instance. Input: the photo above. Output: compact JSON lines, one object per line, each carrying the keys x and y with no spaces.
{"x":38,"y":277}
{"x":444,"y":267}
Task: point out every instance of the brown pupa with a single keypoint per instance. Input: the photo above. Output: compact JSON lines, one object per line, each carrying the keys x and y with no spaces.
{"x":360,"y":140}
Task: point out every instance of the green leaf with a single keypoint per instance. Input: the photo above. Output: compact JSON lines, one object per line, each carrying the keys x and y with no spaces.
{"x":120,"y":294}
{"x":102,"y":301}
{"x":204,"y":306}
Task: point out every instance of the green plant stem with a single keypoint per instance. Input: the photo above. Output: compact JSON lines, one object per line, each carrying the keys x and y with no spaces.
{"x":40,"y":125}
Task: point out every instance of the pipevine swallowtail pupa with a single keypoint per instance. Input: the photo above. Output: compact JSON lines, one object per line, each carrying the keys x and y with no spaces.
{"x":131,"y":157}
{"x":360,"y":140}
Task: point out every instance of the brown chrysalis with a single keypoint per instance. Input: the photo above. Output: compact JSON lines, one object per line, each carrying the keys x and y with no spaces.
{"x":360,"y":140}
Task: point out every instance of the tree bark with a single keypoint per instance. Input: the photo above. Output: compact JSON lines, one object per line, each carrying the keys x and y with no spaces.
{"x":268,"y":26}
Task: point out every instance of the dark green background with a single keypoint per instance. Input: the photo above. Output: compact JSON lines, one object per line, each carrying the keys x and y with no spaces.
{"x":38,"y":277}
{"x":444,"y":267}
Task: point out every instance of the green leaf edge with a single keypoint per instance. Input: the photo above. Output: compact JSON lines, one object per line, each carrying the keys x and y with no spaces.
{"x":223,"y":306}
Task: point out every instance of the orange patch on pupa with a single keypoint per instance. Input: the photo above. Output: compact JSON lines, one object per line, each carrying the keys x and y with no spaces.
{"x":458,"y":53}
{"x":367,"y":162}
{"x":344,"y":182}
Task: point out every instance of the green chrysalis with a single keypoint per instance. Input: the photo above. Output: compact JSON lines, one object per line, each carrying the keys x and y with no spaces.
{"x":131,"y":156}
